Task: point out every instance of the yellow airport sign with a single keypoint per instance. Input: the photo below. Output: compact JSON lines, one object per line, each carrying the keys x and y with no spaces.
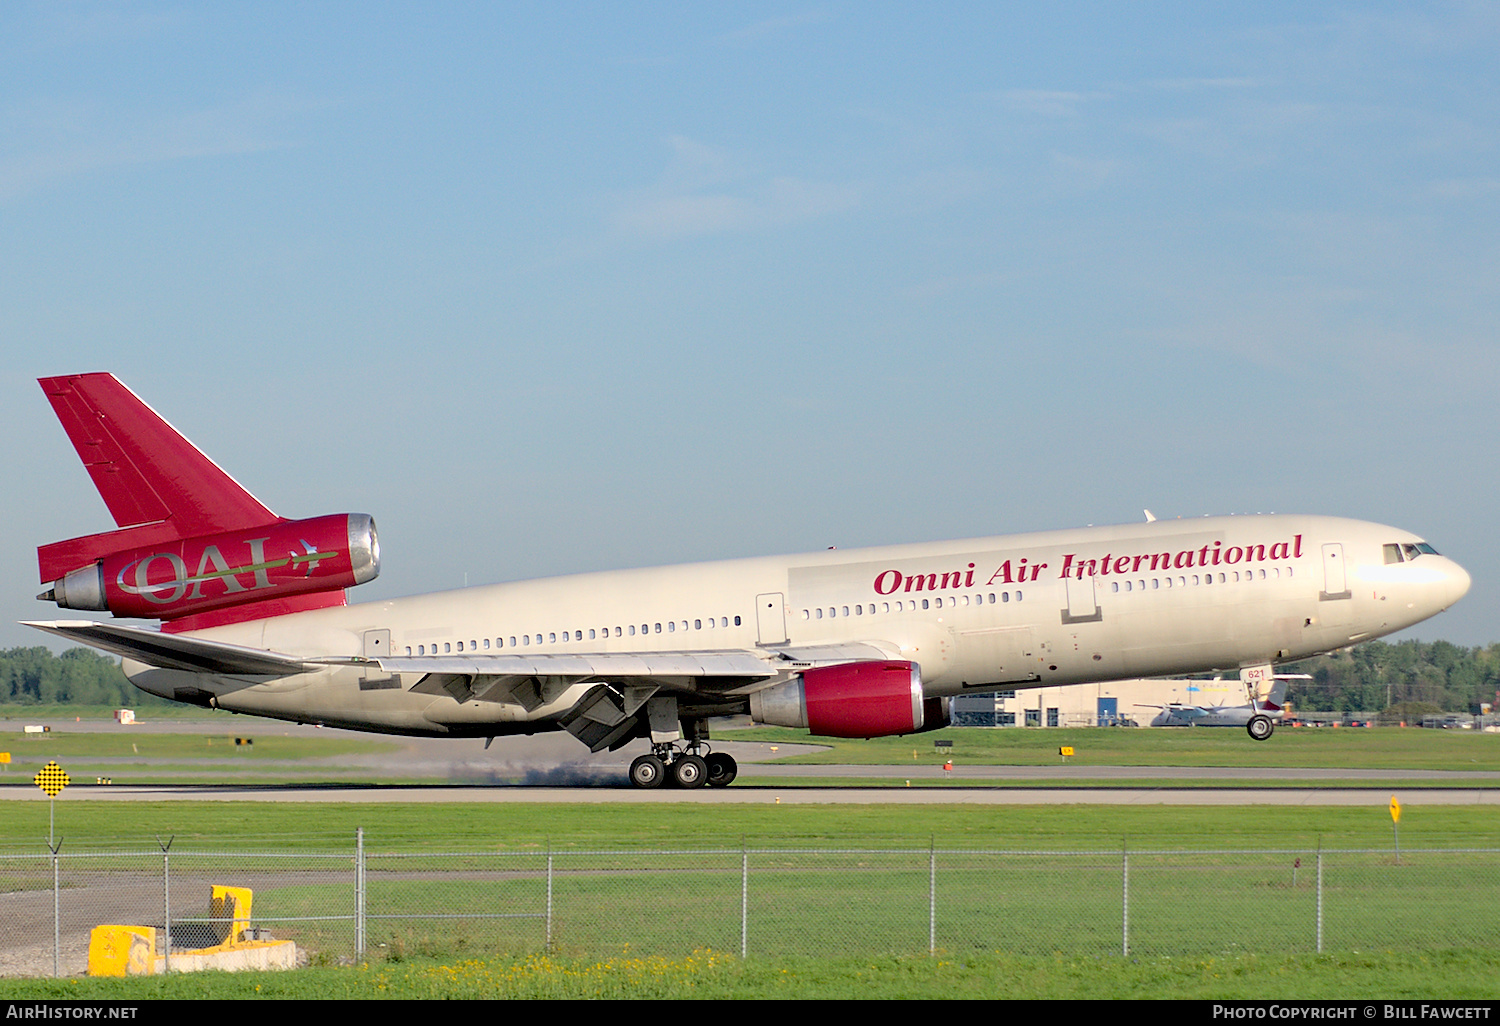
{"x":51,"y":778}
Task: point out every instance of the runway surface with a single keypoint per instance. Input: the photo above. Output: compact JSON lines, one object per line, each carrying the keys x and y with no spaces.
{"x":556,"y":768}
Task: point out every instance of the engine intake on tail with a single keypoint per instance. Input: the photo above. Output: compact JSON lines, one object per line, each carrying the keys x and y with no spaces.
{"x":867,"y":699}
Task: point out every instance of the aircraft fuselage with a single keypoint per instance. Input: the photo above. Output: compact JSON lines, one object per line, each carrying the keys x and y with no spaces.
{"x":1031,"y":610}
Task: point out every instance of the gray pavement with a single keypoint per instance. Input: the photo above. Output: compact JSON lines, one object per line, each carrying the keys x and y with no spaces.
{"x":556,"y":768}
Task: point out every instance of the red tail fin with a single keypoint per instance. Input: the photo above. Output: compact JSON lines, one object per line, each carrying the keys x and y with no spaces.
{"x":156,"y":483}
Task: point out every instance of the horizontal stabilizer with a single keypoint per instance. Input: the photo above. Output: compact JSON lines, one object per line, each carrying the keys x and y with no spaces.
{"x":172,"y":651}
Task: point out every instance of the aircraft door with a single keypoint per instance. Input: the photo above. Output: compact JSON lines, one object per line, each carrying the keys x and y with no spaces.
{"x":1335,"y":580}
{"x":770,"y":618}
{"x":1083,"y":604}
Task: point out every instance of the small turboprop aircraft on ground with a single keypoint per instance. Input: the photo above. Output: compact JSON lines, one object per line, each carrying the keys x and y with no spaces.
{"x":851,"y":643}
{"x":1272,"y":707}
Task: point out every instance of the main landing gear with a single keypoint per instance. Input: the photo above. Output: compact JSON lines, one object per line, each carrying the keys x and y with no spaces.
{"x":683,"y":767}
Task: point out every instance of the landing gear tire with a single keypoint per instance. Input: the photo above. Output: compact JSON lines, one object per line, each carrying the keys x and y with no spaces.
{"x":1260,"y":727}
{"x":647,"y":771}
{"x":689,"y":771}
{"x":722,"y":769}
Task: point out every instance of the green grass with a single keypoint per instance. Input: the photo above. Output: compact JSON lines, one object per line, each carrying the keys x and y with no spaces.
{"x":1453,"y":974}
{"x":1304,"y":748}
{"x":1203,"y":924}
{"x":211,"y":756}
{"x":217,"y":748}
{"x":507,"y":826}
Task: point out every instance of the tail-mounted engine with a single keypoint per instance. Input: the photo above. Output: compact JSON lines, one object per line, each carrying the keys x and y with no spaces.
{"x":866,"y":699}
{"x":184,"y":577}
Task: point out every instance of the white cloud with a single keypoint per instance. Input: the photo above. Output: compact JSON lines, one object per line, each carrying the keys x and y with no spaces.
{"x":50,"y":141}
{"x":705,"y":191}
{"x":1048,"y":102}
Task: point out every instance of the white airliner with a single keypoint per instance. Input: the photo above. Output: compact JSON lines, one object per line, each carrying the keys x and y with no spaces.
{"x":847,"y":643}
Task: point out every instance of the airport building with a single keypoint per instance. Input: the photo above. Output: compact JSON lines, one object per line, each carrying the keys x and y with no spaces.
{"x":1120,"y":702}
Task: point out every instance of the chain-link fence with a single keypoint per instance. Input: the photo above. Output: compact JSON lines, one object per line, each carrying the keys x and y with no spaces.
{"x":357,"y":904}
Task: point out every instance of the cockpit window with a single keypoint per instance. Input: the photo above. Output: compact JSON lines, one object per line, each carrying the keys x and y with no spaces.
{"x":1408,"y":551}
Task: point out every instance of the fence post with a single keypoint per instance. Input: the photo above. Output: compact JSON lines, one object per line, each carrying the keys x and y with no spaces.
{"x":744,"y":900}
{"x":56,"y":910}
{"x":932,"y":896}
{"x":359,"y":893}
{"x":166,"y":900}
{"x":1124,"y":899}
{"x":1320,"y":894}
{"x":549,"y":896}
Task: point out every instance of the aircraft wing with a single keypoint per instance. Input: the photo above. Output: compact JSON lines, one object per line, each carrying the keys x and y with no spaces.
{"x":495,"y":677}
{"x":175,"y":651}
{"x":723,"y":673}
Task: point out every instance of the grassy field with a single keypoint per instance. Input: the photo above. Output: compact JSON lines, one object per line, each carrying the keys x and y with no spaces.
{"x":211,"y":756}
{"x":1265,"y":911}
{"x":509,"y":826}
{"x":706,"y":975}
{"x":1305,"y":748}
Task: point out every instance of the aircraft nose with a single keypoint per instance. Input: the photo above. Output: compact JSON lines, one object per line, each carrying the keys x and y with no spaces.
{"x":1456,"y":583}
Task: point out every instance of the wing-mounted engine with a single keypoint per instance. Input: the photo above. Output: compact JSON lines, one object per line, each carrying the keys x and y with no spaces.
{"x":861,"y":699}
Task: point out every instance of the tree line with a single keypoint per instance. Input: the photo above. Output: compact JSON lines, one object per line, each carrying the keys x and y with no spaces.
{"x":1370,"y":677}
{"x":1378,"y":675}
{"x":80,"y":676}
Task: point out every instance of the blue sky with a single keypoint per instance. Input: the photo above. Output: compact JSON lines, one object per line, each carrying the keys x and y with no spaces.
{"x":557,"y":287}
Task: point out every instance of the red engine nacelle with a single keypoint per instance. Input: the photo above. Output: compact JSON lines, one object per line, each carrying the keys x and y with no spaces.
{"x":279,"y":560}
{"x":868,"y":699}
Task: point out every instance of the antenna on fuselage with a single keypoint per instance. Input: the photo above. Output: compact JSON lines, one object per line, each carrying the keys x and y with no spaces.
{"x":1150,"y":517}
